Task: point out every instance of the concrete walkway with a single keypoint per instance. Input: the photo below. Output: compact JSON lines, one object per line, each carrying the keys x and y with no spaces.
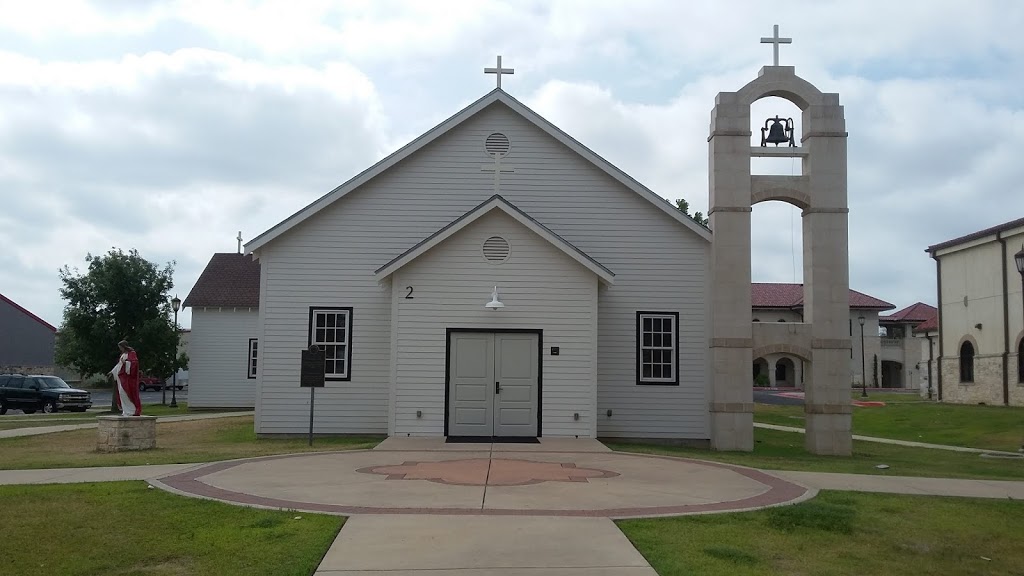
{"x":18,"y":432}
{"x":99,"y":474}
{"x":1003,"y":489}
{"x":482,"y":546}
{"x":892,"y":441}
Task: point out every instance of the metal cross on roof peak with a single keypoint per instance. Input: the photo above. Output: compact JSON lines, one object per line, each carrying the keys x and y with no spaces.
{"x":499,"y":71}
{"x":776,"y":41}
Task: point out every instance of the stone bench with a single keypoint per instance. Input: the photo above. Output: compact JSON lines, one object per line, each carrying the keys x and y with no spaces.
{"x":123,"y":433}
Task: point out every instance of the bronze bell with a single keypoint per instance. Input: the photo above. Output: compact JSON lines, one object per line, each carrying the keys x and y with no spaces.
{"x":780,"y":132}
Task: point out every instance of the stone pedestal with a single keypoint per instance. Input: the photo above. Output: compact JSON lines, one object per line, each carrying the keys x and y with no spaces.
{"x":122,"y":433}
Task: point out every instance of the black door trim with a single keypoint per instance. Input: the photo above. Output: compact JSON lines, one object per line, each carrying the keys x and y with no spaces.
{"x":540,"y":364}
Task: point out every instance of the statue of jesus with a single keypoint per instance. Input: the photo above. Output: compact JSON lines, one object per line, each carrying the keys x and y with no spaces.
{"x":126,"y":378}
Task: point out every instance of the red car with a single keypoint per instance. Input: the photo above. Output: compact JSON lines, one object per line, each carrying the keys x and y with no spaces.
{"x":154,"y":383}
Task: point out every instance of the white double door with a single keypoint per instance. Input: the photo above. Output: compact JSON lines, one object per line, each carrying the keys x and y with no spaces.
{"x":493,"y":384}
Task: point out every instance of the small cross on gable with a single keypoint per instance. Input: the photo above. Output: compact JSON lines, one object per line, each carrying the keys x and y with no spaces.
{"x":775,"y":41}
{"x":499,"y":71}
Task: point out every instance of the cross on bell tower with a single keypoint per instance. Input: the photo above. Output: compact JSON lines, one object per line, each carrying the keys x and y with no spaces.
{"x":775,"y":41}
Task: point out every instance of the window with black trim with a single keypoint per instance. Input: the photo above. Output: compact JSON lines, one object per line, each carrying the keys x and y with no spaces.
{"x":253,"y":349}
{"x":331,"y":330}
{"x":657,"y":347}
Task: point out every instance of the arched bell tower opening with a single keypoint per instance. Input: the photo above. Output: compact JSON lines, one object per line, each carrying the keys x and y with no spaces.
{"x":819,"y":191}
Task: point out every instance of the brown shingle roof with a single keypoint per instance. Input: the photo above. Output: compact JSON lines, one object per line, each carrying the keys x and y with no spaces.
{"x":976,"y":235}
{"x":918,"y":312}
{"x":229,"y":280}
{"x":777,"y":295}
{"x":929,"y":325}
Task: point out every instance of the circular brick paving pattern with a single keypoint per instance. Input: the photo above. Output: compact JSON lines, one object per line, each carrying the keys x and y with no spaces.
{"x":614,"y":485}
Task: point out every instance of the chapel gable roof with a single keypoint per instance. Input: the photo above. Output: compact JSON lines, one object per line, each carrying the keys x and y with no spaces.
{"x":230,"y":280}
{"x":781,"y":295}
{"x":496,"y":202}
{"x":495,"y":96}
{"x":25,"y":311}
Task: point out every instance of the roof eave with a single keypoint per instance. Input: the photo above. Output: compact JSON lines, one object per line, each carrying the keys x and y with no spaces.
{"x":494,"y":203}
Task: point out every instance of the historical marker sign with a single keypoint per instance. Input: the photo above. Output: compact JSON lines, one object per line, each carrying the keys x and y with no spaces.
{"x":311,"y":372}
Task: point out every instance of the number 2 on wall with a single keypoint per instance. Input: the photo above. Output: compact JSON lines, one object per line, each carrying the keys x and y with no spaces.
{"x":409,"y":295}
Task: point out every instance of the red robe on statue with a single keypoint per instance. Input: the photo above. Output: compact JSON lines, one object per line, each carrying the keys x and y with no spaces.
{"x":128,"y":381}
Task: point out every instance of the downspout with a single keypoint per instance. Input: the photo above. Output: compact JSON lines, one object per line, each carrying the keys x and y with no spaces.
{"x":1006,"y":323}
{"x":938,"y":288}
{"x":931,"y":356}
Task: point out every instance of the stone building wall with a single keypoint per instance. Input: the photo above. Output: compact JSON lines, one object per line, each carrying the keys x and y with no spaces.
{"x":987,"y":387}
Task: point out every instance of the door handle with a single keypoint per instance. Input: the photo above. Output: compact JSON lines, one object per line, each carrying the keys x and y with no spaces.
{"x":497,"y":387}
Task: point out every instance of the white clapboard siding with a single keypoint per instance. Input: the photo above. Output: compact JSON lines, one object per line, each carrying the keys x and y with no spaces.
{"x":218,"y":353}
{"x":329,"y":260}
{"x":542,"y":288}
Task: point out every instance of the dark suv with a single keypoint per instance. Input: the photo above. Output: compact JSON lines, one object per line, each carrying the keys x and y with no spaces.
{"x":37,"y":392}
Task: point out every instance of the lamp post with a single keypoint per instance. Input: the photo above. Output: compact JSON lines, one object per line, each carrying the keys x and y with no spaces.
{"x":863,"y":367}
{"x":175,"y":305}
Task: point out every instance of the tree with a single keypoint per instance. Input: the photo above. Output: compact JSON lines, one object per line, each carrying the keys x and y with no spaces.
{"x":121,"y":297}
{"x":697,"y":217}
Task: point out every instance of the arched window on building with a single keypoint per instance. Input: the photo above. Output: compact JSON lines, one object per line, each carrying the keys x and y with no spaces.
{"x":1020,"y":361}
{"x":967,"y":362}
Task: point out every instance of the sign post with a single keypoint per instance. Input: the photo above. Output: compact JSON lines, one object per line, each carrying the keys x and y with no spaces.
{"x":311,"y":375}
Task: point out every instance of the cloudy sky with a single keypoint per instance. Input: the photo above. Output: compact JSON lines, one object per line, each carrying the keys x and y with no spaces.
{"x":170,"y":126}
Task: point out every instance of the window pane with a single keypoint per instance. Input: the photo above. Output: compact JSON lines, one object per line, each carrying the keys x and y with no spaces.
{"x":321,"y":321}
{"x":646,"y":357}
{"x":656,"y":371}
{"x":647,"y":371}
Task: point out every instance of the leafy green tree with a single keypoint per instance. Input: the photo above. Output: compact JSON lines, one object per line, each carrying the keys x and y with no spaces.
{"x":697,"y":217}
{"x":120,"y":297}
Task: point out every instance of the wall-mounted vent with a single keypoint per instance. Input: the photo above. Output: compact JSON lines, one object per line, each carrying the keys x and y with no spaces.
{"x":497,"y":145}
{"x":496,"y":249}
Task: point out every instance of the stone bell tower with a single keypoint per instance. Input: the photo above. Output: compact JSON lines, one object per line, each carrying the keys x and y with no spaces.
{"x":820,"y":191}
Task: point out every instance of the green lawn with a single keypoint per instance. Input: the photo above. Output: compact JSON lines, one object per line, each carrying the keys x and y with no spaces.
{"x":177,"y":442}
{"x":841,"y":533}
{"x":776,"y":450}
{"x":126,"y":529}
{"x":908,"y":418}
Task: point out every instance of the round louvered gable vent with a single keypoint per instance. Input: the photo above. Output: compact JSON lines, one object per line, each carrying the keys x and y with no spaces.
{"x":496,"y":249}
{"x":497,"y":145}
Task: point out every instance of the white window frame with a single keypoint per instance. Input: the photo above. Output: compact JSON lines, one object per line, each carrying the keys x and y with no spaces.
{"x":331,"y":346}
{"x":672,"y":348}
{"x":253,"y":357}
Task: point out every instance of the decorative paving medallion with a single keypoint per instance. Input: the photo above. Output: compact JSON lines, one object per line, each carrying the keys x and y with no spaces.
{"x":484,"y":471}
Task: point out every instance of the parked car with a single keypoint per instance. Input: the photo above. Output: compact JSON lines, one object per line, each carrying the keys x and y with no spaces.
{"x":31,"y":392}
{"x":154,"y":383}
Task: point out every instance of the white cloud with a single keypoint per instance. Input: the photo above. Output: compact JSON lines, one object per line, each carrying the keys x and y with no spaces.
{"x":200,"y":118}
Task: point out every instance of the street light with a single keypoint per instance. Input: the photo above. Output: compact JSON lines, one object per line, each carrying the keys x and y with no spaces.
{"x":175,"y":305}
{"x":863,"y":368}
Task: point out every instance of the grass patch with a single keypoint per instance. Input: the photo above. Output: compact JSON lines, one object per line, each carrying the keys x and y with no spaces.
{"x":70,"y":530}
{"x":12,"y":421}
{"x":775,"y":450}
{"x":177,"y":442}
{"x":906,"y":417}
{"x":840,"y":533}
